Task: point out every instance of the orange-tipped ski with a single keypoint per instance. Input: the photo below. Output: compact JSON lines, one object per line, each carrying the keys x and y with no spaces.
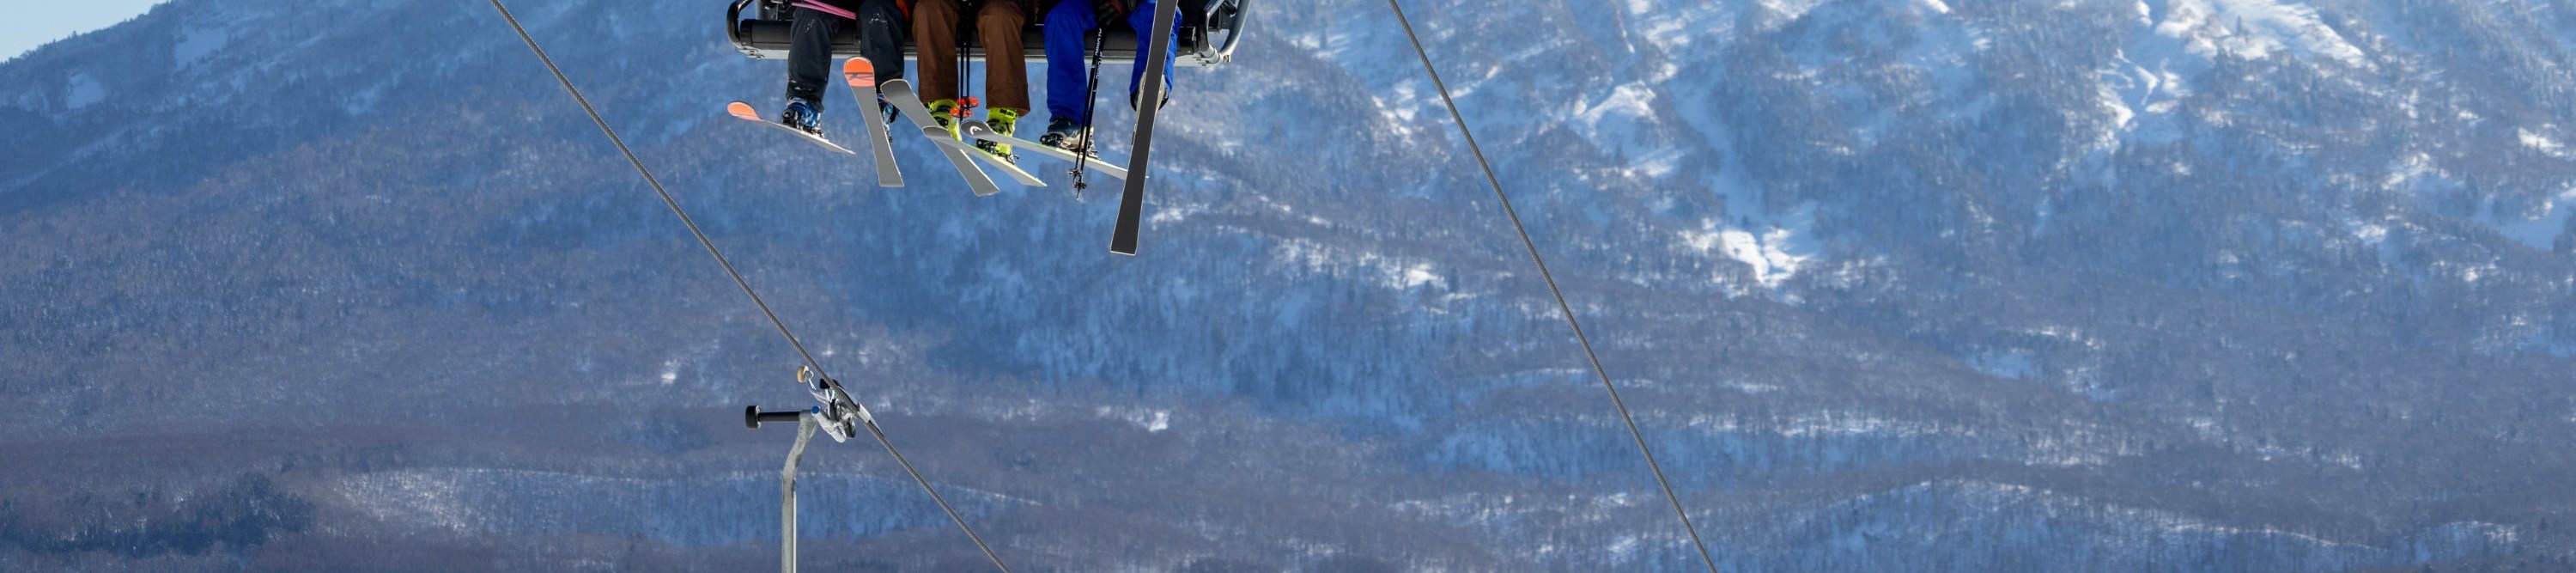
{"x":743,"y":110}
{"x":860,"y":73}
{"x":863,"y":86}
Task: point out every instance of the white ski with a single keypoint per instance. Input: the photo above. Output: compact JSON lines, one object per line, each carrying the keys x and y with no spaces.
{"x":900,"y":92}
{"x":744,"y":111}
{"x":863,"y":84}
{"x":977,"y":130}
{"x":940,"y":136}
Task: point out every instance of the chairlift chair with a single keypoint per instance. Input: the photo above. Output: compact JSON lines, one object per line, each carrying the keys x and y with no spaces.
{"x":1209,"y":32}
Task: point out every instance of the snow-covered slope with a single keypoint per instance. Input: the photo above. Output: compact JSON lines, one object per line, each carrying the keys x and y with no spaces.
{"x":1921,"y":285}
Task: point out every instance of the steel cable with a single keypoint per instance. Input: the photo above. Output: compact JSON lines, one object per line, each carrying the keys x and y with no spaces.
{"x":674,"y":204}
{"x":1561,"y":305}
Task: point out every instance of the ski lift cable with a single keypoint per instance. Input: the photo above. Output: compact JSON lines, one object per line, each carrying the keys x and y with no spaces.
{"x":1561,"y":305}
{"x":667,"y":200}
{"x":674,"y":204}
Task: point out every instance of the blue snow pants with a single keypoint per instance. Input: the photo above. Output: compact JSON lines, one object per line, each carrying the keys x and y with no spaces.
{"x":1068,"y":39}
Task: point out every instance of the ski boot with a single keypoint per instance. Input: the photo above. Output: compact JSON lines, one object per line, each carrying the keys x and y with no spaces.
{"x":1001,"y":120}
{"x":803,"y":116}
{"x":886,"y":108}
{"x":944,"y":113}
{"x":1066,"y":134}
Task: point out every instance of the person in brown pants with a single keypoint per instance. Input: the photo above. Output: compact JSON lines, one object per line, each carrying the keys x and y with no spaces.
{"x":998,"y":23}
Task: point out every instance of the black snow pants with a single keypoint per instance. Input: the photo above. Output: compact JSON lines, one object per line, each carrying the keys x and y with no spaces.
{"x":809,"y":54}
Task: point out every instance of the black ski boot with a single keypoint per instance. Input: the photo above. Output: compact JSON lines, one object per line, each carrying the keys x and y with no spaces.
{"x":802,"y":115}
{"x":1064,"y":133}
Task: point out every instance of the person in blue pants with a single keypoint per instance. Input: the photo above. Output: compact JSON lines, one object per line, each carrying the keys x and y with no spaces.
{"x":1068,"y":40}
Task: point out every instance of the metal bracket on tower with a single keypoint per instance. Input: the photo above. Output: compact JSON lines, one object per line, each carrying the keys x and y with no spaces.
{"x":806,"y":422}
{"x":839,"y":410}
{"x":839,"y":416}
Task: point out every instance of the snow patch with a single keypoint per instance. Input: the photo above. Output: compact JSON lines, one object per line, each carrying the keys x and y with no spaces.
{"x":1776,"y":249}
{"x":1413,"y":276}
{"x":2369,"y":233}
{"x":2013,"y":365}
{"x":1659,"y":164}
{"x":2417,"y":175}
{"x":195,"y":43}
{"x":2252,"y":29}
{"x":1630,"y":101}
{"x":1790,"y":10}
{"x":426,"y":498}
{"x":2542,"y":143}
{"x":1150,"y":420}
{"x":724,"y":509}
{"x":2540,"y":231}
{"x":82,"y":91}
{"x":1392,"y":273}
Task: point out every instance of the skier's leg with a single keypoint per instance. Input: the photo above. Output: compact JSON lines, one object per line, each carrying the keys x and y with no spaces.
{"x":1141,"y":19}
{"x":1006,"y":66}
{"x":934,"y":27}
{"x":809,"y":55}
{"x":881,"y":37}
{"x":1067,"y":29}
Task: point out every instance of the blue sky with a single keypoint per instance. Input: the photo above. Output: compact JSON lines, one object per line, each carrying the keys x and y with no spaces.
{"x":32,"y":24}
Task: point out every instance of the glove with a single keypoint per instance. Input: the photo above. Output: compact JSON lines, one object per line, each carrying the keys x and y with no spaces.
{"x":1110,"y":9}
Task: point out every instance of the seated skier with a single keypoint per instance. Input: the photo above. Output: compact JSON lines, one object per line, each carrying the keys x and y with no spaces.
{"x":1068,"y":92}
{"x":809,"y":54}
{"x":998,"y":23}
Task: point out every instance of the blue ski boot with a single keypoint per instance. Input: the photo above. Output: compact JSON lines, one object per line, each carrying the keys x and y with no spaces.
{"x":1066,"y":134}
{"x":803,"y":116}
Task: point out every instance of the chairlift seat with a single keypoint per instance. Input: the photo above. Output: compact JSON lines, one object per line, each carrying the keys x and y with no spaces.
{"x":1209,"y":32}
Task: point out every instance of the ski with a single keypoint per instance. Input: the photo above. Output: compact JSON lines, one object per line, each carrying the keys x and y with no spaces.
{"x":744,"y":111}
{"x":863,"y":84}
{"x":940,"y":136}
{"x":1149,"y":99}
{"x":900,"y":92}
{"x":977,"y":130}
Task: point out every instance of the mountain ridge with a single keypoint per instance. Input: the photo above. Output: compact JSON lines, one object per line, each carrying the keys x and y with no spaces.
{"x":1870,"y":275}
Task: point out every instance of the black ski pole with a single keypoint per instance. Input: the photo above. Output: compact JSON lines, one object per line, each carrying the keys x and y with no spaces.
{"x":1091,"y":95}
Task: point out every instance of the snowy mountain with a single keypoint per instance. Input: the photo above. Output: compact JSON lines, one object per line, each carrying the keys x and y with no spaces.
{"x":2187,"y":285}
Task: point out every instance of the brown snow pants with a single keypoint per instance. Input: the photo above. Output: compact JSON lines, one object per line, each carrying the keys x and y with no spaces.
{"x":998,"y":23}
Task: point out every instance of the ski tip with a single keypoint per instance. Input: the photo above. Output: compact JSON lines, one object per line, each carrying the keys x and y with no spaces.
{"x":742,"y":110}
{"x":859,"y":73}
